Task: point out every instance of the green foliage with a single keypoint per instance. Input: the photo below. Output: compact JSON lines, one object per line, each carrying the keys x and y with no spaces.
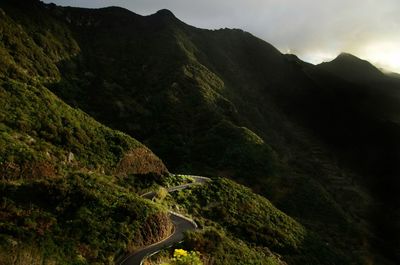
{"x":234,"y":211}
{"x":161,"y":193}
{"x":221,"y":249}
{"x":47,"y":213}
{"x":80,"y":217}
{"x":31,"y":49}
{"x":249,"y":216}
{"x":43,"y":128}
{"x":183,"y":257}
{"x":237,"y":150}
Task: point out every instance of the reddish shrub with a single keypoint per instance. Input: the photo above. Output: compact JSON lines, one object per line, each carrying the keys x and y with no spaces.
{"x":31,"y":170}
{"x":140,"y":161}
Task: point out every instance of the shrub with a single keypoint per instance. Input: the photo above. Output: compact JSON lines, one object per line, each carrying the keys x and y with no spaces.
{"x":183,"y":257}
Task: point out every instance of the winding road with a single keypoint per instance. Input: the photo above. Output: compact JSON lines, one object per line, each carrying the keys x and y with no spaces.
{"x":181,"y":225}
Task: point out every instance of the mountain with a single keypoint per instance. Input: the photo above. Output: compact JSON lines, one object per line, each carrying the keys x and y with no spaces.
{"x":321,"y":142}
{"x":352,"y":68}
{"x":395,"y":75}
{"x":61,"y":196}
{"x":70,"y":185}
{"x":382,"y":88}
{"x":60,"y":182}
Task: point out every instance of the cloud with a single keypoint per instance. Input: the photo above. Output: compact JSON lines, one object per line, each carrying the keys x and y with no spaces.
{"x":314,"y":30}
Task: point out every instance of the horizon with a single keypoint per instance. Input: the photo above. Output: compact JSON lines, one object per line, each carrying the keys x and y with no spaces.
{"x":373,"y":38}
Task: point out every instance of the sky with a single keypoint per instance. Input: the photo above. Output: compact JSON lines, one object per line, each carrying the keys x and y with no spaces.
{"x":316,"y":31}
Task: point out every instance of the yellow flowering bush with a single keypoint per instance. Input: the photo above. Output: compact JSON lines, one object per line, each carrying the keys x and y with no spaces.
{"x":180,"y":253}
{"x":183,"y":257}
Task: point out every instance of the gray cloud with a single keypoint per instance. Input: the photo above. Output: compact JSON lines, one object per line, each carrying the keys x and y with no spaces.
{"x":314,"y":30}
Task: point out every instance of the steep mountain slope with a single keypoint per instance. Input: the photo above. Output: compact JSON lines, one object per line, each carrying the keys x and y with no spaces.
{"x":370,"y":138}
{"x":60,"y":170}
{"x":67,"y":181}
{"x":29,"y":110}
{"x":57,"y":203}
{"x":67,"y":187}
{"x":226,"y":103}
{"x":254,"y":220}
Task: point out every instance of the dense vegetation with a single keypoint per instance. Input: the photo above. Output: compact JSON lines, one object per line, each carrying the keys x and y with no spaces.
{"x":243,"y":213}
{"x":219,"y":249}
{"x":45,"y":132}
{"x":183,"y":257}
{"x":64,"y":177}
{"x":321,"y":142}
{"x":215,"y":247}
{"x":56,"y":203}
{"x":229,"y":208}
{"x":77,"y":219}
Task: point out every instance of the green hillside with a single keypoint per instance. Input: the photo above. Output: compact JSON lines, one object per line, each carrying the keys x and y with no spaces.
{"x":57,"y":204}
{"x":67,"y":188}
{"x":67,"y":181}
{"x":319,"y":141}
{"x":253,"y":219}
{"x":60,"y":198}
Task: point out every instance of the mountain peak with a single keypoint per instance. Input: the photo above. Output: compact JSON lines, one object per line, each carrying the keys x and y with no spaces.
{"x":352,"y":68}
{"x":165,"y":17}
{"x":165,"y":13}
{"x":344,"y":56}
{"x":354,"y":61}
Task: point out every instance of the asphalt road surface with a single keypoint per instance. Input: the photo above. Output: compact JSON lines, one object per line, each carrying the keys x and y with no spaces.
{"x":197,"y":181}
{"x":181,"y":225}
